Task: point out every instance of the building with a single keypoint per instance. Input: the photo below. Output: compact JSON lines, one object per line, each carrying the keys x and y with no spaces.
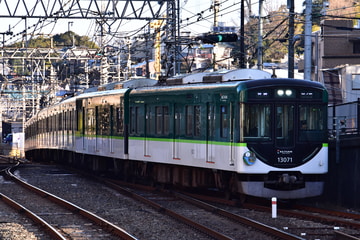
{"x":337,"y":45}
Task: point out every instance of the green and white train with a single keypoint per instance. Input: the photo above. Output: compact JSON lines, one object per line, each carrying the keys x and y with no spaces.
{"x":241,"y":132}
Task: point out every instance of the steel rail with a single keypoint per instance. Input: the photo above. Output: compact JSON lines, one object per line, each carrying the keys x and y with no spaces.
{"x":185,"y":220}
{"x":72,"y":207}
{"x":38,"y":220}
{"x":329,"y":212}
{"x":343,"y":236}
{"x":244,"y":220}
{"x":325,"y":219}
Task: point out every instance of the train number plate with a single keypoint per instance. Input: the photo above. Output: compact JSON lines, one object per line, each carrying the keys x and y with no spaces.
{"x":285,"y":159}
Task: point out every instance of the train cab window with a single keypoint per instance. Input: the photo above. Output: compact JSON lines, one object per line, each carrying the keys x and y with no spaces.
{"x":284,"y":125}
{"x":256,"y":122}
{"x":312,"y":122}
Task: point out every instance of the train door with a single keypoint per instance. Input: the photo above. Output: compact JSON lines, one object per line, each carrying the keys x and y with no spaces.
{"x":226,"y":134}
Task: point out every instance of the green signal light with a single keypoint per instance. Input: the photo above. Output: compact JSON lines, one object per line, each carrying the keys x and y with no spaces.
{"x":214,"y":38}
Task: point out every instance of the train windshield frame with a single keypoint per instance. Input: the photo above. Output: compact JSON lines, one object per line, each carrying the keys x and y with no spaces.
{"x":283,"y":116}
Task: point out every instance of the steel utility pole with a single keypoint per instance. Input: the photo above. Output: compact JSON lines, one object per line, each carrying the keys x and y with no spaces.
{"x":290,"y":6}
{"x":308,"y":31}
{"x":216,"y":23}
{"x":260,"y":37}
{"x":242,"y":60}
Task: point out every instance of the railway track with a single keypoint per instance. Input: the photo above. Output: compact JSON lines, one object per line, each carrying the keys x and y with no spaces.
{"x":234,"y":229}
{"x":201,"y":215}
{"x":334,"y":224}
{"x":60,"y":218}
{"x":341,"y":225}
{"x":210,"y":221}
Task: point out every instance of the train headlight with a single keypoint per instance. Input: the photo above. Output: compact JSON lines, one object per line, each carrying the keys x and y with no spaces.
{"x":280,"y":92}
{"x":249,"y":158}
{"x":288,"y":93}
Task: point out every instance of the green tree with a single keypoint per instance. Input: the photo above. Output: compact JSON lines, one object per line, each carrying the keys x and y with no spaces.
{"x":59,"y":40}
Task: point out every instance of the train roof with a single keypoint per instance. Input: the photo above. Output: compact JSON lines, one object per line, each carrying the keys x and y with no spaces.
{"x":223,"y":75}
{"x":284,"y":81}
{"x":101,"y":93}
{"x":221,"y":86}
{"x":267,"y":82}
{"x":236,"y":85}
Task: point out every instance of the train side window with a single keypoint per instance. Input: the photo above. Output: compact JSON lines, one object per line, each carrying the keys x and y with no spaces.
{"x":97,"y":129}
{"x":104,"y":124}
{"x":67,"y":122}
{"x":83,"y":121}
{"x":60,"y":123}
{"x":189,"y":120}
{"x":111,"y":119}
{"x":158,"y":111}
{"x":47,"y":124}
{"x":134,"y":119}
{"x":90,"y":121}
{"x":166,"y":120}
{"x":74,"y":120}
{"x":162,"y":120}
{"x":70,"y":120}
{"x":193,"y":120}
{"x":66,"y":113}
{"x":79,"y":122}
{"x":197,"y":119}
{"x":224,"y":121}
{"x":119,"y":121}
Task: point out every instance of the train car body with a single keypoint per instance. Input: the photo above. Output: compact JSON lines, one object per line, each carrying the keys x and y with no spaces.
{"x":259,"y":137}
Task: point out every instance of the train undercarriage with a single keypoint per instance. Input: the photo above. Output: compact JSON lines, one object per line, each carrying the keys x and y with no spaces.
{"x":149,"y":173}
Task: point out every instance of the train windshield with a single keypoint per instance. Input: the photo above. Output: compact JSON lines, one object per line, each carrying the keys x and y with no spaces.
{"x":284,"y":132}
{"x":312,"y":125}
{"x":257,"y":122}
{"x":284,"y":123}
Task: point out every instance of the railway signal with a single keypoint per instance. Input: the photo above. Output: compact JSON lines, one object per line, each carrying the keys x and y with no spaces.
{"x":219,"y":37}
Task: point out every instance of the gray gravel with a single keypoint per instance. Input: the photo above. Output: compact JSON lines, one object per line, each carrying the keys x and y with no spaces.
{"x":140,"y":221}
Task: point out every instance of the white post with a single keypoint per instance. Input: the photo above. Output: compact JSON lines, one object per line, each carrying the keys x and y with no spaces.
{"x":273,"y":207}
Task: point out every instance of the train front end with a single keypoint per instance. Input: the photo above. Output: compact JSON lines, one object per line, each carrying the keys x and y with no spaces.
{"x":283,"y":131}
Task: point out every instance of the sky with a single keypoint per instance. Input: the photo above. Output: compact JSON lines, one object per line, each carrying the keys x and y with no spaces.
{"x":196,"y":15}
